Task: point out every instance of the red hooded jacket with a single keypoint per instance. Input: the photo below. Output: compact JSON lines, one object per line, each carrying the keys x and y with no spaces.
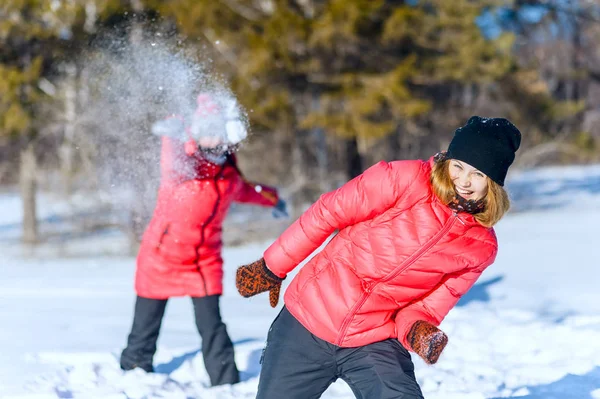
{"x":400,"y":256}
{"x":180,"y":253}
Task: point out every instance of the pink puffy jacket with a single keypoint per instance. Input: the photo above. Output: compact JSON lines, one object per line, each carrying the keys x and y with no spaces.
{"x":180,"y":253}
{"x":400,"y":256}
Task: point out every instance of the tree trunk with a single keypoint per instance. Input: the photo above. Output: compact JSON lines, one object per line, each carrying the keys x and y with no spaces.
{"x":322,"y":160}
{"x":66,"y":148}
{"x":136,"y":33}
{"x":28,"y":194}
{"x":353,"y":161}
{"x":578,"y":59}
{"x":91,"y":16}
{"x":394,"y":148}
{"x":321,"y":150}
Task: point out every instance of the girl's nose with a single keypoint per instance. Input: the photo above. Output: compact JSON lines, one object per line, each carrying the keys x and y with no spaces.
{"x":465,"y":181}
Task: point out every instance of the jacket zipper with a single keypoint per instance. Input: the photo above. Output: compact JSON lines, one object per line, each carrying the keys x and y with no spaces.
{"x":202,"y":228}
{"x":162,"y":237}
{"x":412,"y":259}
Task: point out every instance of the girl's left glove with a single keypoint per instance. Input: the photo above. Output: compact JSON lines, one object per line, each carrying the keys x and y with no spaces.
{"x":280,"y":210}
{"x":427,"y":341}
{"x":255,"y":278}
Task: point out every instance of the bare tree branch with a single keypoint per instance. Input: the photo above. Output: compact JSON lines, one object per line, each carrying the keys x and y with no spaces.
{"x":534,"y":155}
{"x":220,"y":46}
{"x":242,"y":10}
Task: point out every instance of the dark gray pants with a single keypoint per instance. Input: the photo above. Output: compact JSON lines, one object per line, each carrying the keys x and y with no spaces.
{"x":298,"y":365}
{"x":217,"y":348}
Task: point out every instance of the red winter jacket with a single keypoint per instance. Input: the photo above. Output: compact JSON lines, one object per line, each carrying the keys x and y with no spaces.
{"x":180,"y":253}
{"x":400,"y":256}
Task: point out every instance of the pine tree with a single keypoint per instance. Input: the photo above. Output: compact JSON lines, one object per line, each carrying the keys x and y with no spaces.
{"x":35,"y":36}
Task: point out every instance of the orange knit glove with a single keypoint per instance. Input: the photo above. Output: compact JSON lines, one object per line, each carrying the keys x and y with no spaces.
{"x":427,"y":341}
{"x":255,"y":278}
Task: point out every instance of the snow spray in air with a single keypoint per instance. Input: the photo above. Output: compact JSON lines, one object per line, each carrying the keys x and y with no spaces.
{"x":133,"y":88}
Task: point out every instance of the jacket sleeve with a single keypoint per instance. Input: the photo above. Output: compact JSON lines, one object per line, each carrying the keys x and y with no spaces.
{"x":252,"y":193}
{"x":362,"y":198}
{"x":258,"y":194}
{"x":170,"y":151}
{"x":435,"y":306}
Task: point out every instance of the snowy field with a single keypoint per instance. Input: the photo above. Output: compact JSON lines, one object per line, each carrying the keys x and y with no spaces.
{"x":530,"y":328}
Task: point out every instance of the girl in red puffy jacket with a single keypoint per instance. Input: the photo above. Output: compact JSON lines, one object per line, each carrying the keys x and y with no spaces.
{"x":180,"y":253}
{"x":413,"y":237}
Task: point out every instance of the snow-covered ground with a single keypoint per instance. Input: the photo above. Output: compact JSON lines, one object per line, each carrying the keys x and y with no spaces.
{"x":530,"y":328}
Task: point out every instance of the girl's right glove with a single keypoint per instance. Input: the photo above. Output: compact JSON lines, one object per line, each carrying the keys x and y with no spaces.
{"x":427,"y":341}
{"x":255,"y":278}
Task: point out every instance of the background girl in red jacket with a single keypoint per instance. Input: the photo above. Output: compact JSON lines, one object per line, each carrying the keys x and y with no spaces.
{"x":414,"y":236}
{"x":180,"y":252}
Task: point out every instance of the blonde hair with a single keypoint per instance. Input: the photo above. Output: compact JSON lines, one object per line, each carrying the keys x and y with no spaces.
{"x":496,"y":201}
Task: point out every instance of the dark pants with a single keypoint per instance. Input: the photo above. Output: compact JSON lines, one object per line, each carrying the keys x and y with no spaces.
{"x":298,"y":365}
{"x":217,"y":348}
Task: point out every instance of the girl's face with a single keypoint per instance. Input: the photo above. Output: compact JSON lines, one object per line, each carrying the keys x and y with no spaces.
{"x":469,"y":183}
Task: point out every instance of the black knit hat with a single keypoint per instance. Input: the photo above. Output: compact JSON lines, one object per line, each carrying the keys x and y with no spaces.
{"x":488,"y":144}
